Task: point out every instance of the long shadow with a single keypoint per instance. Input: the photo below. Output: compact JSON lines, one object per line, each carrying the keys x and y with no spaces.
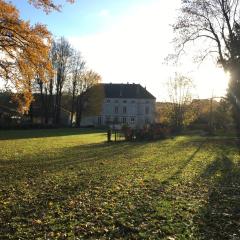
{"x":87,"y":198}
{"x":89,"y":189}
{"x":42,"y":133}
{"x":184,"y":165}
{"x":66,"y":159}
{"x":220,"y":217}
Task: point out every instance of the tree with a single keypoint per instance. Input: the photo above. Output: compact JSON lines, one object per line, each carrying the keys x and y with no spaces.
{"x":162,"y":114}
{"x":90,"y":95}
{"x":24,"y":53}
{"x":180,"y":94}
{"x":24,"y":50}
{"x":47,"y":5}
{"x":71,"y":88}
{"x":61,"y":58}
{"x":46,"y":99}
{"x":222,"y":116}
{"x":77,"y":68}
{"x":216,"y":22}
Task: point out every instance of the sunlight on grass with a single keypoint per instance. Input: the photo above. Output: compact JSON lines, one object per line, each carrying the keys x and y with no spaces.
{"x":66,"y":183}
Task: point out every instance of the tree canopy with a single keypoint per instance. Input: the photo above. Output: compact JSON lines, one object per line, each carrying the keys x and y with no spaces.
{"x":213,"y":21}
{"x":216,"y":23}
{"x":47,"y":5}
{"x":180,"y":111}
{"x":24,"y":50}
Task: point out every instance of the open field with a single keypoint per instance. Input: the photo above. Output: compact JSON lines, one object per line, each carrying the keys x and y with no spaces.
{"x":69,"y":184}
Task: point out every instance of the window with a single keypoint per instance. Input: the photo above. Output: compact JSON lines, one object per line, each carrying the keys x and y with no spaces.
{"x":124,"y":120}
{"x":108,"y":119}
{"x":132,"y":119}
{"x":146,"y":120}
{"x":147,"y":110}
{"x":124,"y":109}
{"x":133,"y":101}
{"x":99,"y":120}
{"x":116,"y":109}
{"x":124,"y":101}
{"x":116,"y":120}
{"x":108,"y":100}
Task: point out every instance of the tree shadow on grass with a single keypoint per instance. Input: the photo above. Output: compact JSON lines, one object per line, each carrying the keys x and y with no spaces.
{"x":184,"y":165}
{"x":42,"y":133}
{"x":65,"y":159}
{"x":73,"y":173}
{"x":220,"y":217}
{"x":88,"y":191}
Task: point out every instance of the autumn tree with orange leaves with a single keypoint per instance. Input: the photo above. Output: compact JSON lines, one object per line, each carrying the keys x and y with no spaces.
{"x":24,"y":50}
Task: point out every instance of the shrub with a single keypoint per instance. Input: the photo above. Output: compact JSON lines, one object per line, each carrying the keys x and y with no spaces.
{"x":128,"y":133}
{"x":153,"y":132}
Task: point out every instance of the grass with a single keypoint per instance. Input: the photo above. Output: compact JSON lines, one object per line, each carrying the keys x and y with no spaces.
{"x":69,"y":184}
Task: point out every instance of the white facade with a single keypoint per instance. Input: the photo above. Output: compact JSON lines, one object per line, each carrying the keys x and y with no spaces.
{"x":134,"y":112}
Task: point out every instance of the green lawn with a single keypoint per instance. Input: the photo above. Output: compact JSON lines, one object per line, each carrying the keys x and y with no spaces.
{"x":70,"y":184}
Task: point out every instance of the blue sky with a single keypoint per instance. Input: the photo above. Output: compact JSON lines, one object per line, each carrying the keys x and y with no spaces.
{"x":127,"y":41}
{"x":82,"y":17}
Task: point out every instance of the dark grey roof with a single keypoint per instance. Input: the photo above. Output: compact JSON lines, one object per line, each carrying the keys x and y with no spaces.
{"x":120,"y":90}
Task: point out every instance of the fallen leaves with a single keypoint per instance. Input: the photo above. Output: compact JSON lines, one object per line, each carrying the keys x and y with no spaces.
{"x":96,"y":192}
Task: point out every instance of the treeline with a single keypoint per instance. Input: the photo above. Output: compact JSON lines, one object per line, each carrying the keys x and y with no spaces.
{"x":66,"y":90}
{"x":38,"y":72}
{"x":199,"y":114}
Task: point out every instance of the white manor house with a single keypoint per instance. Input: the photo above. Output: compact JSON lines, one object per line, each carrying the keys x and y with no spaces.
{"x":124,"y":104}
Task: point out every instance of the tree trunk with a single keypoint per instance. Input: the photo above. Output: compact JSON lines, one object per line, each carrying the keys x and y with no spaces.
{"x":234,"y":96}
{"x":79,"y":111}
{"x":58,"y":99}
{"x":42,"y":102}
{"x":73,"y":103}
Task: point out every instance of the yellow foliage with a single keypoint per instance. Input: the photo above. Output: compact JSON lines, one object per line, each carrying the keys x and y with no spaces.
{"x":24,"y":53}
{"x":94,"y":93}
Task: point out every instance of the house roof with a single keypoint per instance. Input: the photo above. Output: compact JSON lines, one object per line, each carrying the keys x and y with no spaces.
{"x":117,"y":90}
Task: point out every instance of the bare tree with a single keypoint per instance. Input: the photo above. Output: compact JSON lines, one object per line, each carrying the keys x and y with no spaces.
{"x":46,"y":91}
{"x":75,"y":79}
{"x":180,"y":94}
{"x":210,"y":20}
{"x":72,"y":88}
{"x":216,"y":24}
{"x":47,"y":98}
{"x":61,"y":56}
